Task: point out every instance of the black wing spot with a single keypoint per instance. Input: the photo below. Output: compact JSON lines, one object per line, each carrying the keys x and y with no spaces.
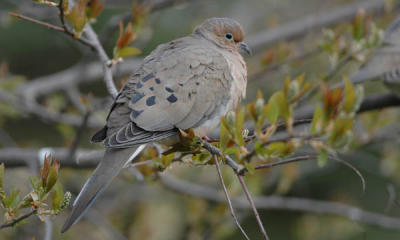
{"x":151,"y":101}
{"x":172,"y":98}
{"x":197,"y":83}
{"x":139,"y":85}
{"x":136,"y":113}
{"x":158,"y":81}
{"x":151,"y":88}
{"x":180,"y":84}
{"x":137,"y":98}
{"x":148,"y":77}
{"x":169,"y":89}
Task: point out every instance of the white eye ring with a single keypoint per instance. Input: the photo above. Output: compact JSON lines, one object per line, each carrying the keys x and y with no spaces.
{"x":229,"y":36}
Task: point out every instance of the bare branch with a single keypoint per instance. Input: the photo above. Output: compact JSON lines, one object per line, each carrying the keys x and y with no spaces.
{"x":19,"y":157}
{"x":316,"y":21}
{"x":78,"y":135}
{"x":17,"y":220}
{"x":52,"y":27}
{"x":284,"y":203}
{"x":228,"y":199}
{"x":48,"y":25}
{"x":253,"y":206}
{"x":313,"y":156}
{"x":283,"y":162}
{"x":354,"y":169}
{"x":108,"y":78}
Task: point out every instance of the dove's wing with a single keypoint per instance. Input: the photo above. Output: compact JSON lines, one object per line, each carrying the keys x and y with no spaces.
{"x":181,"y":84}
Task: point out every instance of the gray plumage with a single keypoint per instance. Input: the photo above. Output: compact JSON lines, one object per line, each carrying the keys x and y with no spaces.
{"x":187,"y":83}
{"x":111,"y":164}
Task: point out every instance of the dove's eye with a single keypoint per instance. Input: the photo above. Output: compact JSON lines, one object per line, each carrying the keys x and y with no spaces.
{"x":229,"y":36}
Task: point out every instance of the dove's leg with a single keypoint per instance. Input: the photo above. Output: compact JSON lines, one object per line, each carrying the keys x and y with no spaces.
{"x":109,"y":167}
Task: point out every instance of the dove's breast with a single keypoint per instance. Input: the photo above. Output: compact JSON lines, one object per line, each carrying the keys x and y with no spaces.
{"x":237,"y":78}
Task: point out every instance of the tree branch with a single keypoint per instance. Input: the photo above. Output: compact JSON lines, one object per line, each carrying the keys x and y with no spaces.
{"x":316,"y":21}
{"x":108,"y":78}
{"x":284,"y":203}
{"x":238,"y":169}
{"x":228,"y":199}
{"x":253,"y":207}
{"x":17,"y":220}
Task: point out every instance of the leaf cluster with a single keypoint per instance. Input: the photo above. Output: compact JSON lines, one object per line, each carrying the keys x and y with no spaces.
{"x":46,"y":198}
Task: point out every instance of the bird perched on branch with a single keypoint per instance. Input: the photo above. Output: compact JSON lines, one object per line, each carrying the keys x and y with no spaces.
{"x":187,"y":83}
{"x":385,"y":61}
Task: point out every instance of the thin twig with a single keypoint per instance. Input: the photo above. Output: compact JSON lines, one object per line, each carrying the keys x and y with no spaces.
{"x":61,"y":9}
{"x":286,"y":161}
{"x":17,"y":220}
{"x":391,"y":197}
{"x":48,"y":25}
{"x":314,"y":156}
{"x":281,"y":139}
{"x":346,"y":59}
{"x":355,"y":170}
{"x":228,"y":199}
{"x":108,"y":77}
{"x":137,"y":164}
{"x":253,"y":207}
{"x":78,"y":136}
{"x":53,"y":27}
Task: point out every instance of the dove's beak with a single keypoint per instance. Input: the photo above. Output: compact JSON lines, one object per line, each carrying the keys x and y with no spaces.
{"x":245,"y":47}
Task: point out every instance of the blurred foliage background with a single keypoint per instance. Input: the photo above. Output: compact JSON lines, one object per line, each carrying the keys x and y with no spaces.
{"x":149,"y":209}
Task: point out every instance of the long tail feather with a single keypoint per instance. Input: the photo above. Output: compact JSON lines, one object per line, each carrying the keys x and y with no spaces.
{"x":109,"y":167}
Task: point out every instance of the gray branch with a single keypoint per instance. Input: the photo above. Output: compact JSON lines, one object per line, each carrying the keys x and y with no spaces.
{"x":311,"y":22}
{"x":284,"y":203}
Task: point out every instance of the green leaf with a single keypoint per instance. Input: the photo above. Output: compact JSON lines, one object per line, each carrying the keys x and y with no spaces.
{"x":340,"y":128}
{"x":51,"y":179}
{"x":322,"y":158}
{"x":280,"y":149}
{"x":26,"y":201}
{"x":57,"y":196}
{"x":36,"y":183}
{"x":271,"y":112}
{"x":260,"y":149}
{"x":239,"y":126}
{"x":127,"y":52}
{"x":224,"y":135}
{"x":317,"y":123}
{"x":12,"y":200}
{"x":282,"y":102}
{"x":250,"y":167}
{"x":350,"y":96}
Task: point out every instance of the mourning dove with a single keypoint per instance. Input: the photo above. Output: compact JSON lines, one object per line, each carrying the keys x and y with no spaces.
{"x":385,"y":61}
{"x":187,"y":83}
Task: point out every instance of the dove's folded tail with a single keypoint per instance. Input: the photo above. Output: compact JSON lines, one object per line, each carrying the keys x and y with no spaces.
{"x":109,"y":167}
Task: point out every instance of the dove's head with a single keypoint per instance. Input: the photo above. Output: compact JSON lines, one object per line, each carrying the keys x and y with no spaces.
{"x":225,"y":32}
